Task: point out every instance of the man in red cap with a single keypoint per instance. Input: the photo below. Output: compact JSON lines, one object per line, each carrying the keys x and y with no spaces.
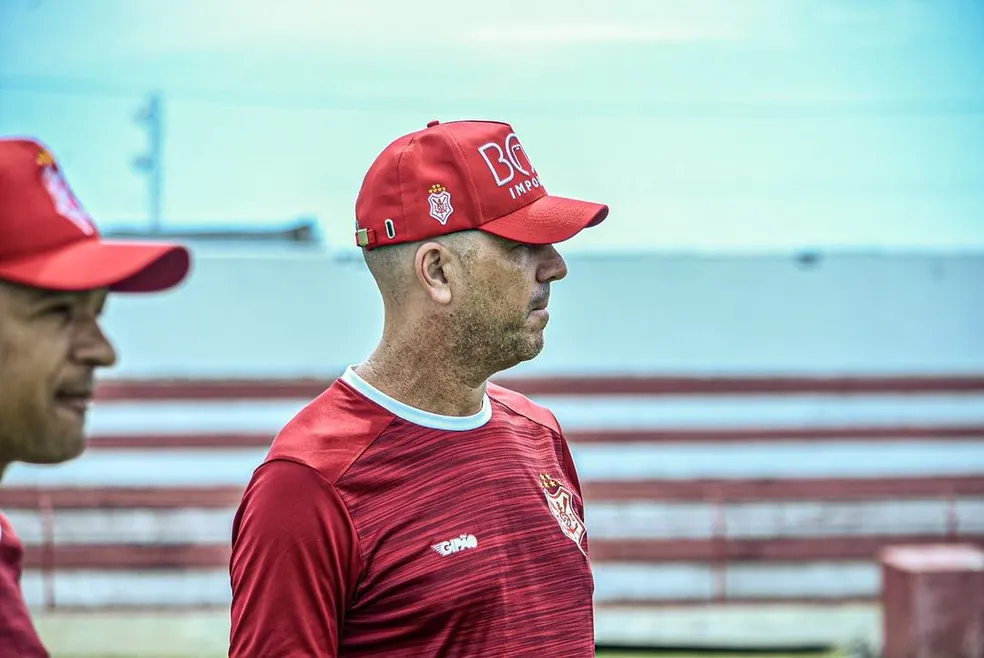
{"x":414,"y":508}
{"x":55,"y":274}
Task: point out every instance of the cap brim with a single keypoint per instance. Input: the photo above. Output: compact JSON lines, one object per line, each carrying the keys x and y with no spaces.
{"x":548,"y":220}
{"x":94,"y":263}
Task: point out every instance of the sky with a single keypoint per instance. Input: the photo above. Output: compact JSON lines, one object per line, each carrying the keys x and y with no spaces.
{"x":705,"y":124}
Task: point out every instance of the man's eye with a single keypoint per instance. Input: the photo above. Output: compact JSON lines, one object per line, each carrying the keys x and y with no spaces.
{"x":65,"y":310}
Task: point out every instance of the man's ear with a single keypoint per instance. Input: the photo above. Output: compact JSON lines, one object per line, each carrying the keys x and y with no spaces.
{"x":432,"y":265}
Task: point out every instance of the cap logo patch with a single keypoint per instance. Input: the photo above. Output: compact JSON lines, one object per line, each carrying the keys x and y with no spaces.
{"x":508,"y":162}
{"x":440,"y":203}
{"x":44,"y":158}
{"x":66,"y":204}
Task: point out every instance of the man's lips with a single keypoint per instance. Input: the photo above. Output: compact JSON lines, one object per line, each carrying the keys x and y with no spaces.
{"x":78,"y":401}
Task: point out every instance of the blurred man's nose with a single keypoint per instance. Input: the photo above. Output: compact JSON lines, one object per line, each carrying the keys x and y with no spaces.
{"x":93,"y":348}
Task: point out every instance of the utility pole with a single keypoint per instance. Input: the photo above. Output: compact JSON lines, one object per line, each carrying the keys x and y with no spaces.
{"x":151,"y":163}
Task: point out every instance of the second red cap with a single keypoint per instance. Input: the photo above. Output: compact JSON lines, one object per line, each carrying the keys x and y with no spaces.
{"x":48,"y":240}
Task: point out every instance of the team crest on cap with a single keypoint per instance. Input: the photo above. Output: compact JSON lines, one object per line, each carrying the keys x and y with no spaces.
{"x":66,"y":204}
{"x":44,"y":158}
{"x":560,"y":500}
{"x":440,"y":203}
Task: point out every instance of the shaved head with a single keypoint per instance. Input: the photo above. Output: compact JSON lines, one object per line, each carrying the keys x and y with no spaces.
{"x":392,"y":267}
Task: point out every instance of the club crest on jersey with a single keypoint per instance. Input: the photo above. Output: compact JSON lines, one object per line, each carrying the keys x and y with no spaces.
{"x":560,"y":501}
{"x":440,"y":203}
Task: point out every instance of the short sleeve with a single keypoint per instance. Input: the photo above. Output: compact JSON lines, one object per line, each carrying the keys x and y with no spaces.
{"x":295,"y":565}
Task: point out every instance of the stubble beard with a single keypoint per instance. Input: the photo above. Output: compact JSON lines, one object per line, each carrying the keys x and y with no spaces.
{"x":484,"y":343}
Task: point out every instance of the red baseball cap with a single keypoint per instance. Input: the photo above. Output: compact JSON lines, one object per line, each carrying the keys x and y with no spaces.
{"x":47,"y":239}
{"x":463,"y":175}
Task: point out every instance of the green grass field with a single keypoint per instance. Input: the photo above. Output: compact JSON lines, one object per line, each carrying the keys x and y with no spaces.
{"x":204,"y":634}
{"x":716,"y":654}
{"x":650,"y":654}
{"x":653,"y":654}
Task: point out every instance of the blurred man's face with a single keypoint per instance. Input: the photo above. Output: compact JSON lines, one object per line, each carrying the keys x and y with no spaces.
{"x":50,"y":346}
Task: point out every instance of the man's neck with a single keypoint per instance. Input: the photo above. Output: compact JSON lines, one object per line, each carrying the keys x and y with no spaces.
{"x":424,"y":377}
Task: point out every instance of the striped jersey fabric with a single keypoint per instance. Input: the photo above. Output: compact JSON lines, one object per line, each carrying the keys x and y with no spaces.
{"x":374,"y":529}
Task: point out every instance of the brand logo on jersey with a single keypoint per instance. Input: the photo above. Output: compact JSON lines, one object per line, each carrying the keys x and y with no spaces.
{"x":507,"y":162}
{"x":560,"y":501}
{"x":455,"y":544}
{"x":440,"y":203}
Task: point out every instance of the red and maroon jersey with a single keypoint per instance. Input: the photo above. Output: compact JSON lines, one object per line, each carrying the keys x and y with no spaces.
{"x":376,"y":529}
{"x":17,"y":634}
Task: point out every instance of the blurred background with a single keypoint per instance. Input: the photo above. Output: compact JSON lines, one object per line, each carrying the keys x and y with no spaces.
{"x":769,"y":360}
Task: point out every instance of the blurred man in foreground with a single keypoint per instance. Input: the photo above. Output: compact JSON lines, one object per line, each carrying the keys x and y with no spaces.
{"x":415,"y":509}
{"x":55,"y":275}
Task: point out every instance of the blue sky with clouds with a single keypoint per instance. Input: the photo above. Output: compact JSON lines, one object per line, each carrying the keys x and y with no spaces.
{"x":705,"y":124}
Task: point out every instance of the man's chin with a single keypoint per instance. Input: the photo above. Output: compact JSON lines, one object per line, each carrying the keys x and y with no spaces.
{"x":533,"y":348}
{"x":63,"y":450}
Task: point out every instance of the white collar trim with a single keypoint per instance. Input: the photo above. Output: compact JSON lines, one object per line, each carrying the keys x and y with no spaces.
{"x":418,"y":416}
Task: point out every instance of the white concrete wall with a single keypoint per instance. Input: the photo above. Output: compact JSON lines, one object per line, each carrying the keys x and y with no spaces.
{"x":279,"y":315}
{"x":309,"y":314}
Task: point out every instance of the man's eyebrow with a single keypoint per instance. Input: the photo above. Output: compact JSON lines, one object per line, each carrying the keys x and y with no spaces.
{"x":42,"y":295}
{"x":36,"y":297}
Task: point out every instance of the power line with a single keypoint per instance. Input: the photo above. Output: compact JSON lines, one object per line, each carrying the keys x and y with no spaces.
{"x":595,"y":104}
{"x":66,"y":87}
